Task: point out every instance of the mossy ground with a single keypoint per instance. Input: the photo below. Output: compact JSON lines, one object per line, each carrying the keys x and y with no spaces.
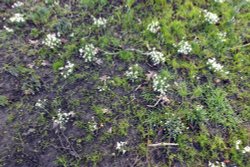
{"x":124,"y":110}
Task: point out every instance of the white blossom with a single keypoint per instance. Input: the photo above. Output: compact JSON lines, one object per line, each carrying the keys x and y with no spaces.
{"x":41,"y":103}
{"x":67,"y":69}
{"x":216,"y":164}
{"x":246,"y":149}
{"x":160,"y":84}
{"x":184,"y":47}
{"x":51,"y":41}
{"x":156,"y":56}
{"x":17,"y":4}
{"x":18,"y":18}
{"x":222,"y":36}
{"x":8,"y":29}
{"x":88,"y":52}
{"x":133,"y":72}
{"x":100,"y":22}
{"x":154,"y":27}
{"x":61,"y":118}
{"x":216,"y":66}
{"x":210,"y":17}
{"x":120,"y":146}
{"x":220,"y":1}
{"x":237,"y":143}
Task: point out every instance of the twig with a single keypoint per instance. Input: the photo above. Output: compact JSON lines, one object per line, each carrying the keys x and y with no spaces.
{"x":162,"y":144}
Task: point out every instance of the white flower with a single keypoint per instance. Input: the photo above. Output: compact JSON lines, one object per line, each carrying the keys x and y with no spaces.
{"x":184,"y":47}
{"x":156,"y":57}
{"x":88,"y":52}
{"x":51,"y":41}
{"x":41,"y":103}
{"x":219,"y":1}
{"x":61,"y":118}
{"x":211,"y":17}
{"x":133,"y":72}
{"x":17,"y":4}
{"x":237,"y":143}
{"x":154,"y":27}
{"x":216,"y":164}
{"x":67,"y":69}
{"x":222,"y":36}
{"x":215,"y":66}
{"x":100,"y":22}
{"x":18,"y":18}
{"x":160,"y":84}
{"x":120,"y":146}
{"x":8,"y":29}
{"x":246,"y":149}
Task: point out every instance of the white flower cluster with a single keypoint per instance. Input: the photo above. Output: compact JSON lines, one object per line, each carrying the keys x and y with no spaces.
{"x":67,"y":69}
{"x":160,"y":84}
{"x":61,"y":118}
{"x":41,"y":103}
{"x":184,"y":47}
{"x":18,"y":18}
{"x":17,"y":4}
{"x":245,"y":149}
{"x":51,"y":41}
{"x":215,"y":66}
{"x":154,"y":27}
{"x":120,"y":146}
{"x":8,"y":29}
{"x":210,"y":17}
{"x":216,"y":164}
{"x":156,"y":56}
{"x":222,"y":36}
{"x":100,"y":22}
{"x":92,"y":125}
{"x":219,"y":1}
{"x":88,"y":52}
{"x":133,"y":72}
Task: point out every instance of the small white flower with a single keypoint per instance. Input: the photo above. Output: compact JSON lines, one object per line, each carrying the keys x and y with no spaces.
{"x":61,"y":118}
{"x":184,"y":47}
{"x":156,"y":56}
{"x":154,"y":27}
{"x":120,"y":146}
{"x":41,"y":103}
{"x":222,"y":36}
{"x":160,"y":84}
{"x":17,"y":4}
{"x":18,"y":18}
{"x":88,"y":52}
{"x":237,"y":143}
{"x":216,"y":66}
{"x":67,"y":69}
{"x":246,"y":149}
{"x":211,"y":17}
{"x":51,"y":41}
{"x":133,"y":72}
{"x":8,"y":29}
{"x":100,"y":22}
{"x":219,"y":1}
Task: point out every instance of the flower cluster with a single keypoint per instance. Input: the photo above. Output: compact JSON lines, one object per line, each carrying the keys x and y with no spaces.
{"x":173,"y":125}
{"x":245,"y":149}
{"x":51,"y":41}
{"x":211,"y":17}
{"x":160,"y":84}
{"x":67,"y":69}
{"x":219,"y":1}
{"x":154,"y":27}
{"x":8,"y":29}
{"x":92,"y":125}
{"x":17,"y":4}
{"x":88,"y":52}
{"x":216,"y":164}
{"x":120,"y":146}
{"x":133,"y":72}
{"x":222,"y":36}
{"x":100,"y":22}
{"x":215,"y":66}
{"x":156,"y":56}
{"x":18,"y":18}
{"x":61,"y":118}
{"x":184,"y":47}
{"x":41,"y":103}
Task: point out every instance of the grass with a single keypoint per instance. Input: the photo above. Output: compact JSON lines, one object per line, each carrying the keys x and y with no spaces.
{"x":60,"y":107}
